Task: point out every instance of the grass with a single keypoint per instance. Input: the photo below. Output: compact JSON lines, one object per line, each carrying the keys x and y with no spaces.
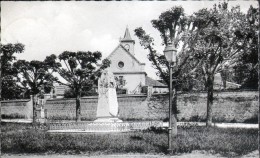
{"x":24,"y":138}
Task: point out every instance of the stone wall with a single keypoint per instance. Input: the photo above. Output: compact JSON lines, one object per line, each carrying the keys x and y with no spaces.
{"x":65,"y":109}
{"x":228,"y":107}
{"x":130,"y":107}
{"x":16,"y":109}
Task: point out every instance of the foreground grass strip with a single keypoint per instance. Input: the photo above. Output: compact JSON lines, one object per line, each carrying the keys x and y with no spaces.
{"x":24,"y":138}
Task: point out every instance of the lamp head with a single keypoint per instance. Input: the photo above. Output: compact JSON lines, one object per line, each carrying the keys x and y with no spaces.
{"x":170,"y":53}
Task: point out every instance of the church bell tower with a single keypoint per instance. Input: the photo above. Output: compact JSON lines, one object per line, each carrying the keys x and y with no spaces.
{"x":127,"y":42}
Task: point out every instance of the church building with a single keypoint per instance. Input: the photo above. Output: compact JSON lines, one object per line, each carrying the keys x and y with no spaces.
{"x":128,"y":70}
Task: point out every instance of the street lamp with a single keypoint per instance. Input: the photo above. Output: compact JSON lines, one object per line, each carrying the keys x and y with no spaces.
{"x":170,"y":53}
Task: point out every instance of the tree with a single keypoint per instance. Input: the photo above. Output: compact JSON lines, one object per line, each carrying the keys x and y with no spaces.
{"x":6,"y":58}
{"x":10,"y":90}
{"x":178,"y":29}
{"x":80,"y":70}
{"x":222,"y":39}
{"x":34,"y":76}
{"x":245,"y":68}
{"x":207,"y":40}
{"x":258,"y":72}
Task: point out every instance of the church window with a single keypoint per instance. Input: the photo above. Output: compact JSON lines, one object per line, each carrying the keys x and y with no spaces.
{"x":121,"y":64}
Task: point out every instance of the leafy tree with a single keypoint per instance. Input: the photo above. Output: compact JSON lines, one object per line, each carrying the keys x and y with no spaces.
{"x":178,"y":29}
{"x":80,"y":70}
{"x":245,"y":68}
{"x":10,"y":90}
{"x":6,"y":58}
{"x":208,"y":40}
{"x":35,"y":76}
{"x":222,"y":39}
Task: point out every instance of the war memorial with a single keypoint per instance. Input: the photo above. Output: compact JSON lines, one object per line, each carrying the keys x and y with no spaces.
{"x":106,"y":114}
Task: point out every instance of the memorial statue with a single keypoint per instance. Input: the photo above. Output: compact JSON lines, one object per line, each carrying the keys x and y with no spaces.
{"x":107,"y":109}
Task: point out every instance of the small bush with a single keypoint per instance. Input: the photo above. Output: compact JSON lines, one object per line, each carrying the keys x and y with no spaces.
{"x":12,"y":116}
{"x":121,"y":91}
{"x":233,"y":121}
{"x":253,"y":119}
{"x":157,"y":130}
{"x":166,"y":119}
{"x":136,"y":137}
{"x":197,"y":118}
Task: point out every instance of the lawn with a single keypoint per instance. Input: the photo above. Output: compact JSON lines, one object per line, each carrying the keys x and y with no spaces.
{"x":24,"y":138}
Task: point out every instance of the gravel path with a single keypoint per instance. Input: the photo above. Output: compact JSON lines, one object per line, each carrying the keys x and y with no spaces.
{"x":194,"y":154}
{"x":165,"y":124}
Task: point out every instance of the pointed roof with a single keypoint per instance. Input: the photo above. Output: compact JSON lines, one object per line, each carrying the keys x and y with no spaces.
{"x":127,"y":36}
{"x":131,"y":55}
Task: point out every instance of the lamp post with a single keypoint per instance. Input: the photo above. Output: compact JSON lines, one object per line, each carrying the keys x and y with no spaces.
{"x":170,"y":53}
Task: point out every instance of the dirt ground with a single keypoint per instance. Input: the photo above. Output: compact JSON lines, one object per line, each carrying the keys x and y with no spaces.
{"x":194,"y":154}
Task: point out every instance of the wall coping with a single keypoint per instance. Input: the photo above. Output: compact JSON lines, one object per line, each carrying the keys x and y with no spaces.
{"x":205,"y":92}
{"x":218,"y":91}
{"x":96,"y":97}
{"x":129,"y":95}
{"x":20,"y":100}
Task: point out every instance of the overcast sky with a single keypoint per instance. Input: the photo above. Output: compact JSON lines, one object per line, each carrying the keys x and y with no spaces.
{"x":52,"y":27}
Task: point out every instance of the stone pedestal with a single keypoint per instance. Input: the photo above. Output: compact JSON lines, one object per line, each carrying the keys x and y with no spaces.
{"x":107,"y":109}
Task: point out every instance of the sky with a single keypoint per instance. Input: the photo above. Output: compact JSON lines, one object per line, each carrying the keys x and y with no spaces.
{"x":51,"y":27}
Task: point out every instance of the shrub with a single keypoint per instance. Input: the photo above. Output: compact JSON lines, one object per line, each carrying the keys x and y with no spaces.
{"x":197,"y":118}
{"x":253,"y":119}
{"x":166,"y":119}
{"x":156,"y":130}
{"x":12,"y":116}
{"x":121,"y":91}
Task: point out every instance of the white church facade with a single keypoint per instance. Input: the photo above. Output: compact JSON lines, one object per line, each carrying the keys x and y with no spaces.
{"x":129,"y":70}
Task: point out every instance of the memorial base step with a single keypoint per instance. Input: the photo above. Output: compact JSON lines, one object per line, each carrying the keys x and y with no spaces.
{"x":102,"y":126}
{"x":108,"y":120}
